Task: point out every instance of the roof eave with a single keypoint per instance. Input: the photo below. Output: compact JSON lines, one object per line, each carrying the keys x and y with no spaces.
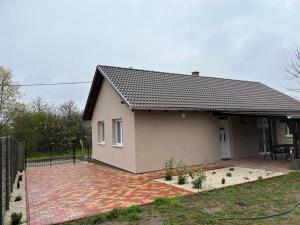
{"x":227,"y":111}
{"x":94,"y":92}
{"x":112,"y":84}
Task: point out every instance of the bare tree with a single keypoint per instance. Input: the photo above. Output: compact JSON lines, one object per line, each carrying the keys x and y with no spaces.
{"x":294,"y":67}
{"x":293,"y":70}
{"x":9,"y":95}
{"x":39,"y":105}
{"x":68,"y":108}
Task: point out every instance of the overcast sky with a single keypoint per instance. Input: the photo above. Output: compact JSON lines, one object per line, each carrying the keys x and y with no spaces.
{"x":64,"y":40}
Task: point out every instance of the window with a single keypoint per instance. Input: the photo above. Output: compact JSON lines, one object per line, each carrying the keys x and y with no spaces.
{"x":287,"y":131}
{"x":101,"y":132}
{"x":118,"y":132}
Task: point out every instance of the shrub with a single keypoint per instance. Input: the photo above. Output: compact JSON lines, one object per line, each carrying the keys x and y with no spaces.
{"x":18,"y":184}
{"x":20,"y":177}
{"x":231,"y":169}
{"x":169,"y":167}
{"x":223,"y":180}
{"x":16,"y":218}
{"x":214,"y":172}
{"x":18,"y":198}
{"x":199,"y":178}
{"x":228,"y":174}
{"x":260,"y":178}
{"x":181,"y":173}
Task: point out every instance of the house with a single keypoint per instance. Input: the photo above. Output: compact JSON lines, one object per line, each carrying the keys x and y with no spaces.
{"x":141,"y":118}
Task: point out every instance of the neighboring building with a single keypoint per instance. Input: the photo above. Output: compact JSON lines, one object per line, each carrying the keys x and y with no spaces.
{"x":142,"y":118}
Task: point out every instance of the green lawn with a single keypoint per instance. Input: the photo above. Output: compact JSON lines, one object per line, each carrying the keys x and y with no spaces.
{"x":247,"y":200}
{"x":41,"y":155}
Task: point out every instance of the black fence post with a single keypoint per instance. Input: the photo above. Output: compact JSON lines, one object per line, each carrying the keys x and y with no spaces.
{"x":51,"y":146}
{"x":11,"y":164}
{"x":25,"y":156}
{"x":2,"y":188}
{"x":89,"y":150}
{"x":7,"y":170}
{"x":74,"y":153}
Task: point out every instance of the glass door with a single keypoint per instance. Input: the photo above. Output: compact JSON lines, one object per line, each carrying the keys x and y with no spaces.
{"x":264,"y":135}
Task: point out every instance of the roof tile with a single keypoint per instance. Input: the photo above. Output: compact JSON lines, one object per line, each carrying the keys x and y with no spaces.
{"x":144,"y":89}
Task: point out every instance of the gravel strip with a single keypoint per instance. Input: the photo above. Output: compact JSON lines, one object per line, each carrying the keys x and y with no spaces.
{"x":238,"y":175}
{"x":19,"y":206}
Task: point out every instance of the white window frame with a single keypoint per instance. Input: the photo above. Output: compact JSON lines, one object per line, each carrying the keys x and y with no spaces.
{"x":288,"y":132}
{"x":101,"y":132}
{"x":115,"y":123}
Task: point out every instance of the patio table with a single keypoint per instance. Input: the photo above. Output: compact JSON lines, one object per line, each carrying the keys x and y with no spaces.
{"x":283,"y":149}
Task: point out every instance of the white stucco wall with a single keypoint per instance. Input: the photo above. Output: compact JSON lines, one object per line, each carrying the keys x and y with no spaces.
{"x":107,"y":108}
{"x":162,"y":135}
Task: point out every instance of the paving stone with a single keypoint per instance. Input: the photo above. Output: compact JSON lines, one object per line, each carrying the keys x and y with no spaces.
{"x":82,"y":190}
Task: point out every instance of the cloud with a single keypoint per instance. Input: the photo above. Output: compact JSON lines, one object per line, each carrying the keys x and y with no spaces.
{"x":65,"y":40}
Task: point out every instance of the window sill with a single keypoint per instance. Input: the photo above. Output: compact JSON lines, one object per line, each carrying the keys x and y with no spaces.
{"x":101,"y":143}
{"x":118,"y":146}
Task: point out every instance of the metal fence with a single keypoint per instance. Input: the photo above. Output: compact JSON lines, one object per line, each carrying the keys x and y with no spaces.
{"x":12,"y":160}
{"x":48,"y":155}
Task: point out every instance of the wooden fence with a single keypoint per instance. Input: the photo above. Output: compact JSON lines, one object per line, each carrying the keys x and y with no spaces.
{"x":12,"y":160}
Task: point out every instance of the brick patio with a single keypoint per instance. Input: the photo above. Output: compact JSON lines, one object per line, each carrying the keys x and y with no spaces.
{"x":260,"y":163}
{"x":68,"y":192}
{"x":61,"y":193}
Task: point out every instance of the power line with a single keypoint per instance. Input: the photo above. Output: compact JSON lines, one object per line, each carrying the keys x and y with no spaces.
{"x":47,"y":84}
{"x":33,"y":98}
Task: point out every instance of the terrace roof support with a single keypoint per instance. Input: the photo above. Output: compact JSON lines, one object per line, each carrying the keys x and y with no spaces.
{"x":294,"y":126}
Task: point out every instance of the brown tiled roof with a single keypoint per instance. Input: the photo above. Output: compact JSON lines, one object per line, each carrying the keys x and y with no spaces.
{"x":152,"y":90}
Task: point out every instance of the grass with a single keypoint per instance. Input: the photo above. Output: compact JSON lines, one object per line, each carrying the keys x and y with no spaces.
{"x":124,"y":214}
{"x":41,"y":155}
{"x":260,"y":198}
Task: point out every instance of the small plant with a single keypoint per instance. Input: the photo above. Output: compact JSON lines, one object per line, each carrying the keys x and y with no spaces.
{"x":231,"y":169}
{"x":98,"y":219}
{"x":113,"y":214}
{"x":131,"y":213}
{"x":169,"y":168}
{"x":18,"y":184}
{"x":20,"y":178}
{"x":161,"y":201}
{"x":16,"y":218}
{"x":167,"y":202}
{"x":228,"y":174}
{"x":18,"y":198}
{"x":199,"y":178}
{"x":260,"y":178}
{"x":223,"y":180}
{"x":181,"y":217}
{"x":191,"y":174}
{"x":181,"y":173}
{"x":214,"y":172}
